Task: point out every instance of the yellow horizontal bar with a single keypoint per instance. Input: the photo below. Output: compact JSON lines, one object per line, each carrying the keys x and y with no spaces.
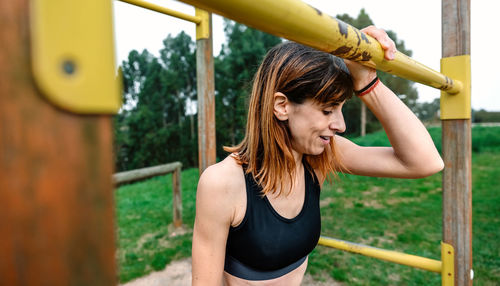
{"x":299,"y":22}
{"x":387,"y":255}
{"x":164,"y":10}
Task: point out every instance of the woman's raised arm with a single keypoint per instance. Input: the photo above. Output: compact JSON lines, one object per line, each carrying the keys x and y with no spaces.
{"x":413,"y":154}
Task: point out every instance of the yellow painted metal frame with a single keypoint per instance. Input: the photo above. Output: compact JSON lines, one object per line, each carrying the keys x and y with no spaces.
{"x":445,"y":266}
{"x":201,"y":18}
{"x":164,"y":10}
{"x":73,"y":57}
{"x":457,"y":106}
{"x":202,"y":28}
{"x":387,"y":255}
{"x":299,"y":22}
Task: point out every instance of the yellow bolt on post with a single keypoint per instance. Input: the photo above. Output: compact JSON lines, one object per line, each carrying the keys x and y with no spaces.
{"x":456,"y":106}
{"x":73,"y":55}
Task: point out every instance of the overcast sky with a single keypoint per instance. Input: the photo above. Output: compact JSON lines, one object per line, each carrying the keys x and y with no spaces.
{"x":418,"y":23}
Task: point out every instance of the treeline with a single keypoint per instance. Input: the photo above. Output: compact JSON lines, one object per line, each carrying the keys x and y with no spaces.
{"x":483,"y":116}
{"x":158,"y":122}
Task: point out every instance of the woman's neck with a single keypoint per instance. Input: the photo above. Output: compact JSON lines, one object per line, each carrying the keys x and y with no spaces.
{"x":298,"y":159}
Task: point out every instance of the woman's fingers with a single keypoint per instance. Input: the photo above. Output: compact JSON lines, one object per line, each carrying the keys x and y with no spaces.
{"x":381,"y":36}
{"x":362,"y":75}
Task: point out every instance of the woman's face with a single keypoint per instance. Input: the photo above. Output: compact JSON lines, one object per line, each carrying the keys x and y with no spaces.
{"x":313,"y":126}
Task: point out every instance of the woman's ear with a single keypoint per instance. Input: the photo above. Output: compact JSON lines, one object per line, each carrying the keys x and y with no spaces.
{"x":281,"y":106}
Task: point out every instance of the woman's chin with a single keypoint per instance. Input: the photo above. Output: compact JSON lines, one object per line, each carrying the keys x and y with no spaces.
{"x":316,"y":151}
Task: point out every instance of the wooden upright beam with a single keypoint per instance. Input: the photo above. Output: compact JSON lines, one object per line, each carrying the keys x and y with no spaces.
{"x":206,"y":92}
{"x":56,"y":201}
{"x":457,"y":186}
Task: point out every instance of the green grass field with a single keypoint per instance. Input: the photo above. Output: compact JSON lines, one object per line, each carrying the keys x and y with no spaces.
{"x":396,"y":214}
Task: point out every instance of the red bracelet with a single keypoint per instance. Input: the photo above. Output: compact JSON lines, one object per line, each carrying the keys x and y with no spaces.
{"x":368,"y":88}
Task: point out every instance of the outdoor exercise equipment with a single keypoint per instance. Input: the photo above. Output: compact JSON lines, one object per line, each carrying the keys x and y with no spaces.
{"x":58,"y":88}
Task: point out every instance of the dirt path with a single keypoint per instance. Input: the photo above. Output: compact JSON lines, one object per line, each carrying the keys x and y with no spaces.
{"x":178,"y":273}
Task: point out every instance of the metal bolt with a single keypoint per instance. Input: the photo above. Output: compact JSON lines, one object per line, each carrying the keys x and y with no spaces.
{"x":68,"y":67}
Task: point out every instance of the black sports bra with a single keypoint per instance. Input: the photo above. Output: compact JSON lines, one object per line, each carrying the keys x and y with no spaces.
{"x":266,"y":245}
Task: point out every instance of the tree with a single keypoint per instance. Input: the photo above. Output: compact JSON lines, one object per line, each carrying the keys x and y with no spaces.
{"x":142,"y":123}
{"x":150,"y":130}
{"x":134,"y":72}
{"x":179,"y":60}
{"x":483,"y":116}
{"x":428,"y":111}
{"x":234,"y":70}
{"x":403,"y":88}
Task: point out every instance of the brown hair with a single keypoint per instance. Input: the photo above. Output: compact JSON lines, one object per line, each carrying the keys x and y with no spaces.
{"x":300,"y":73}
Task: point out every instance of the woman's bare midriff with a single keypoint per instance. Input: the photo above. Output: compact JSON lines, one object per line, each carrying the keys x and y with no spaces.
{"x":293,"y":278}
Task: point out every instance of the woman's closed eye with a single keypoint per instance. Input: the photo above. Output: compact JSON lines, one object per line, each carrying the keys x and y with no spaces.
{"x":330,"y":109}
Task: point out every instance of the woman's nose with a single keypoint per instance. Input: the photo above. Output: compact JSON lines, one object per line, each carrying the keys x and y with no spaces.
{"x":337,"y":122}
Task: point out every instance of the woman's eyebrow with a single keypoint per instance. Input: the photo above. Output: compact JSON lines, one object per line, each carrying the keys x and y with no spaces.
{"x":333,"y":104}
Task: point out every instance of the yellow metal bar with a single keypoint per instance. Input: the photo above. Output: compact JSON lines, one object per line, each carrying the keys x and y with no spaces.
{"x":456,"y":106}
{"x":448,"y":258}
{"x":163,"y":10}
{"x":299,"y":22}
{"x":203,"y":28}
{"x":387,"y":255}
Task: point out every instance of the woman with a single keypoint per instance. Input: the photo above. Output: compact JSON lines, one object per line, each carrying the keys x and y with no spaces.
{"x":257,"y":211}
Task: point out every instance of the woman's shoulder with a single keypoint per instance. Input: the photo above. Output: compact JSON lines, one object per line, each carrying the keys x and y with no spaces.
{"x":220,"y":193}
{"x":223,"y":172}
{"x":225,"y":178}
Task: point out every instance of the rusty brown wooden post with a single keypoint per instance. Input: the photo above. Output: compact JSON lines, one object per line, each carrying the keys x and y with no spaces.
{"x":177,"y":199}
{"x":206,"y":91}
{"x":56,"y":200}
{"x":457,"y":190}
